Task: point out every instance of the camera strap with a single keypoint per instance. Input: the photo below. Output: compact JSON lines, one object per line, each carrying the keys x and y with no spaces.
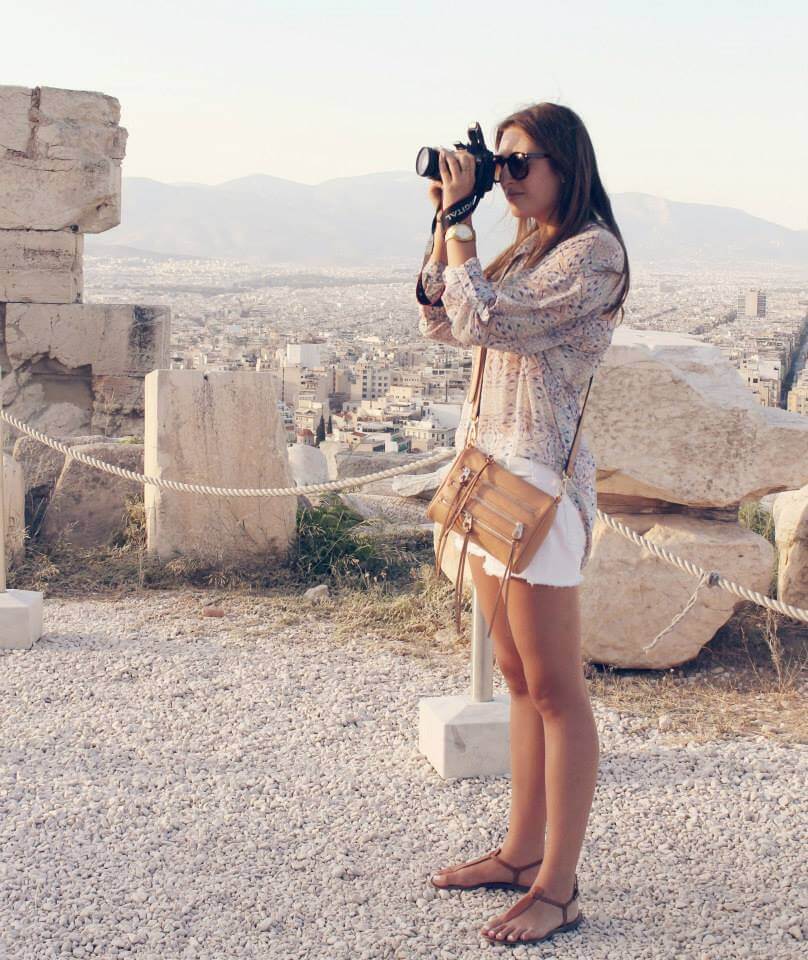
{"x":458,"y":211}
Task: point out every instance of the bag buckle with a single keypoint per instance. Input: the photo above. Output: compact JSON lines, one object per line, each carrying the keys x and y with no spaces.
{"x":518,"y":530}
{"x":467,"y":520}
{"x":465,"y":473}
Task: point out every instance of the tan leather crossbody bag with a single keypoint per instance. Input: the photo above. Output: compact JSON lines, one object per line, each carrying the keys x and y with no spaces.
{"x":487,"y":504}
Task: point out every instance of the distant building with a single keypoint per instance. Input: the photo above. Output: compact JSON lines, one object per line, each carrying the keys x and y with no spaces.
{"x":798,"y":399}
{"x":428,"y":434}
{"x":303,"y":354}
{"x":372,"y":381}
{"x":752,"y":303}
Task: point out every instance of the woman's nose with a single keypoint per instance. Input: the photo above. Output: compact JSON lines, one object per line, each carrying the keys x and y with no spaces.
{"x":500,"y":174}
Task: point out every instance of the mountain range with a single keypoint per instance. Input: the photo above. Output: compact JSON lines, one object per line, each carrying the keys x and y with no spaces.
{"x":384,"y":218}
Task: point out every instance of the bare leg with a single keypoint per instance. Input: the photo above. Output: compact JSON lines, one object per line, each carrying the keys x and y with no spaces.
{"x":546,"y":629}
{"x":524,"y":841}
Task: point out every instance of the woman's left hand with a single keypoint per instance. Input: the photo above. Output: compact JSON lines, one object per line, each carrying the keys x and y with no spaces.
{"x":458,"y":171}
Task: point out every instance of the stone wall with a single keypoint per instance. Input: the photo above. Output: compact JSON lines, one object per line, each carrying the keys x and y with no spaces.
{"x":68,"y":367}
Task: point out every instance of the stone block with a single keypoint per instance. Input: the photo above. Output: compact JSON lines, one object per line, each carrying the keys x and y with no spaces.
{"x":88,"y":506}
{"x":20,"y":619}
{"x":114,"y":339}
{"x":220,"y":428}
{"x":462,"y":737}
{"x":15,"y":123}
{"x":60,"y":159}
{"x":74,"y":369}
{"x":41,"y":266}
{"x":49,"y":397}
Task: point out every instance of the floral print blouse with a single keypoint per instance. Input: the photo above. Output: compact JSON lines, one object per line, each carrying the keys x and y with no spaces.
{"x":546,"y":334}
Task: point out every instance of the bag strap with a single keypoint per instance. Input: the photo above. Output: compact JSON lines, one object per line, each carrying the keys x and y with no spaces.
{"x":476,"y":399}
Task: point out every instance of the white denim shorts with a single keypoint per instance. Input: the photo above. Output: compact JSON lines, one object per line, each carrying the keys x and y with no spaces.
{"x":557,"y":561}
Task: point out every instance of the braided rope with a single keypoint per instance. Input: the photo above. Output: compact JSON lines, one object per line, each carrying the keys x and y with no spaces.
{"x":344,"y":484}
{"x":709,"y":577}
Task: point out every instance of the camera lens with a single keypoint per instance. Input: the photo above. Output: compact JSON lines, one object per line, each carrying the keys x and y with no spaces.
{"x":427,"y":163}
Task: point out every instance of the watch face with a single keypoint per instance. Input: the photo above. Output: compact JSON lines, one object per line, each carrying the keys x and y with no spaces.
{"x":463,"y":231}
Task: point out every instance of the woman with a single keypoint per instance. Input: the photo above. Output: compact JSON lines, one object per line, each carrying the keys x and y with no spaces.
{"x":547,"y":324}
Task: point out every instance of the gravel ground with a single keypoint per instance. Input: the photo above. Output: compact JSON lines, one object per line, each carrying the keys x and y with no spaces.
{"x":173,"y":786}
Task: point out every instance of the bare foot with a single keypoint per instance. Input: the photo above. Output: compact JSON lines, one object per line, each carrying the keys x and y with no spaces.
{"x":489,"y":870}
{"x":535,"y":921}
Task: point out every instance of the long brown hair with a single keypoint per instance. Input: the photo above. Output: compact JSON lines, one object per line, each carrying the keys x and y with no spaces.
{"x":562,"y":134}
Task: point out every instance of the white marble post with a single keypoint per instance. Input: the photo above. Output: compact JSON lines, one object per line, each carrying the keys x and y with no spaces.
{"x":469,"y":735}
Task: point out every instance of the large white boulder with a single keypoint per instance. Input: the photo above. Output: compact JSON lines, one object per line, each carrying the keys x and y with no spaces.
{"x":61,"y":163}
{"x":220,"y":428}
{"x":307,"y":463}
{"x":628,"y":595}
{"x":670,"y":419}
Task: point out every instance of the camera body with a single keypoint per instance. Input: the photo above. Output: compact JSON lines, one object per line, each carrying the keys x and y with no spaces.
{"x":427,"y":162}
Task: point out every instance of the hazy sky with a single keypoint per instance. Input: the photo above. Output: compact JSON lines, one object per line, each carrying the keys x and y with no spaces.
{"x":695,"y":100}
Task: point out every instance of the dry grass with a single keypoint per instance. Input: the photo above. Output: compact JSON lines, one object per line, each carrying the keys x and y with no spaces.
{"x":749,"y":680}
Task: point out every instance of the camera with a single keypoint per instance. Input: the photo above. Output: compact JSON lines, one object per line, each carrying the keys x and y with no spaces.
{"x":427,"y":162}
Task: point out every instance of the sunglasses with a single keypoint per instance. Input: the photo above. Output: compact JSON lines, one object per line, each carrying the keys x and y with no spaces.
{"x":518,"y":164}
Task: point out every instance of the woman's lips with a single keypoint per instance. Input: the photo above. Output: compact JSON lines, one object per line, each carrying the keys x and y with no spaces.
{"x":510,"y":196}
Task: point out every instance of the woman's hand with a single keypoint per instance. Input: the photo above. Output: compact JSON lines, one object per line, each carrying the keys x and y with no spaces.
{"x":458,"y":172}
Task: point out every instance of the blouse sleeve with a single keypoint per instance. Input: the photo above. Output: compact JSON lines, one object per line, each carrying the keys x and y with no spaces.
{"x":434,"y":321}
{"x":539,"y":308}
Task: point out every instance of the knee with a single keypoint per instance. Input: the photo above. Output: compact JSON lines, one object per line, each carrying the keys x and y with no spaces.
{"x":551,"y":696}
{"x":514,"y":674}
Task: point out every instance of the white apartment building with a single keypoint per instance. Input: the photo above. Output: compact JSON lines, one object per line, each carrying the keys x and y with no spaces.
{"x":303,"y":354}
{"x":372,"y":381}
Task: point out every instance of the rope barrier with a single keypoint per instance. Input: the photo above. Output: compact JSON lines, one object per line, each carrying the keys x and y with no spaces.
{"x":344,"y":484}
{"x":711,"y":578}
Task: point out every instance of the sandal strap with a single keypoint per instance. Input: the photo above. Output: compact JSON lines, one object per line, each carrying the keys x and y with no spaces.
{"x":510,"y":866}
{"x":557,"y":903}
{"x":470,"y":863}
{"x":493,"y":855}
{"x":525,"y":901}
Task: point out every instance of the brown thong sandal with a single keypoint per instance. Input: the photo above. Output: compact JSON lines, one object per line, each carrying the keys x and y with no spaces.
{"x":488,"y":884}
{"x":526,"y":901}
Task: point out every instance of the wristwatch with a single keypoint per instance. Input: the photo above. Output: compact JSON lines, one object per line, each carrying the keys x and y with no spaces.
{"x":460,"y":231}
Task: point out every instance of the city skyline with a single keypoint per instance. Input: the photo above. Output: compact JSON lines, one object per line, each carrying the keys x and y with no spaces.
{"x":701,"y":103}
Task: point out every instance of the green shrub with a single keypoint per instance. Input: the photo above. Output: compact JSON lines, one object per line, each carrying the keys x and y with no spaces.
{"x":333,"y":541}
